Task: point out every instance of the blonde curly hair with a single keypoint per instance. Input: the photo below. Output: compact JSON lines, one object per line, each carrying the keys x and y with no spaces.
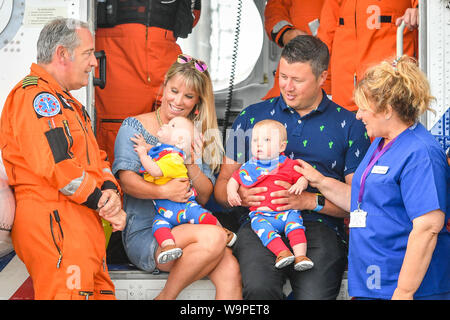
{"x":399,"y":83}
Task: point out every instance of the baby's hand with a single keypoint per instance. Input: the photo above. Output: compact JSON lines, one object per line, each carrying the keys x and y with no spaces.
{"x":234,"y":199}
{"x":140,"y":150}
{"x":139,"y":140}
{"x":299,"y":186}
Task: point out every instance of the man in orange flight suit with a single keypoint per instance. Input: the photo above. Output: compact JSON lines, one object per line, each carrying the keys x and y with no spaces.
{"x":360,"y":33}
{"x":139,"y":39}
{"x":59,"y":175}
{"x":286,"y":19}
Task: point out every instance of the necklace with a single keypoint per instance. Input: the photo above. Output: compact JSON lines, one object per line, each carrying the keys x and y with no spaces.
{"x":158,"y":117}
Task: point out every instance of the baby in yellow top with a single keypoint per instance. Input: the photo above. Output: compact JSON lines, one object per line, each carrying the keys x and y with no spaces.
{"x":160,"y":164}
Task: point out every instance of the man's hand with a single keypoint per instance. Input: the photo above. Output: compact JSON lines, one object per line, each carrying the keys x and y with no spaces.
{"x":291,"y":34}
{"x":288,"y":201}
{"x":411,"y":18}
{"x":118,"y":222}
{"x":109,"y":204}
{"x":249,"y":197}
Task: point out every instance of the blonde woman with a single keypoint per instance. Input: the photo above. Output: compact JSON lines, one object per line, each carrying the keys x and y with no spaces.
{"x":188,"y":93}
{"x":399,"y":199}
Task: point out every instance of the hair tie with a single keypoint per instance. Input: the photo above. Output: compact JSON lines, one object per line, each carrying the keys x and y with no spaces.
{"x":395,"y":63}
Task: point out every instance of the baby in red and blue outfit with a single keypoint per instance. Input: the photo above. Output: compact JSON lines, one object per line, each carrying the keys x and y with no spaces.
{"x":268,"y":165}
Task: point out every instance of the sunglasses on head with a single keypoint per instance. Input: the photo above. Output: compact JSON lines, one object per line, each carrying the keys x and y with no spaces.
{"x":199,"y":65}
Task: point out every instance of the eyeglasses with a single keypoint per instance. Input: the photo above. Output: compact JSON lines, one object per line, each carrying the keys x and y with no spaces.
{"x":199,"y":65}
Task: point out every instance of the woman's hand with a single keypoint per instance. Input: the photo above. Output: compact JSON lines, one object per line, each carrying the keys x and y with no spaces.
{"x":313,"y":176}
{"x":196,"y":152}
{"x":177,"y":190}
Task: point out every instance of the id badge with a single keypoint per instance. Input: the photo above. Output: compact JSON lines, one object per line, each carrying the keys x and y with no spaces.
{"x":357,"y":219}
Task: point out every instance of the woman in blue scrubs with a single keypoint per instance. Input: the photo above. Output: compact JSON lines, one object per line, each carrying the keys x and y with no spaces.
{"x":399,"y":200}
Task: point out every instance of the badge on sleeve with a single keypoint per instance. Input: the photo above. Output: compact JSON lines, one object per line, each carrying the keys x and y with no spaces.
{"x":46,"y":105}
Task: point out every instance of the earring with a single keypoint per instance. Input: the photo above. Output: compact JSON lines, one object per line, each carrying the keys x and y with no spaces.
{"x":196,"y":110}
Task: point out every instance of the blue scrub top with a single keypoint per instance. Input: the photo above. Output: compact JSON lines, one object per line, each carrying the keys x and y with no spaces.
{"x":416,"y":183}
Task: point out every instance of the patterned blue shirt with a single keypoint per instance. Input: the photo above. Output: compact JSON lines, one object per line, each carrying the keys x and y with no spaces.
{"x":330,"y":138}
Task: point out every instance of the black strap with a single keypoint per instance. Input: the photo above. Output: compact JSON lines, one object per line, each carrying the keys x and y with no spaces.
{"x":385,"y":19}
{"x":382,"y":19}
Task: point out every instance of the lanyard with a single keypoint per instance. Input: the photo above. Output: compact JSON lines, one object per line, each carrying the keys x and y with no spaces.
{"x":375,"y":156}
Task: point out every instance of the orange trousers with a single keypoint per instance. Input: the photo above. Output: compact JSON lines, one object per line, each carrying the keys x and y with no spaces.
{"x":137,"y":59}
{"x":64,"y":252}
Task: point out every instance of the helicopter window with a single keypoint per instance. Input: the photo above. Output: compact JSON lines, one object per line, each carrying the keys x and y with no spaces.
{"x":213,"y":40}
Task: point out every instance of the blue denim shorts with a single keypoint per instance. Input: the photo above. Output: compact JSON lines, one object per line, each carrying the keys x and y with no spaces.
{"x":138,"y":240}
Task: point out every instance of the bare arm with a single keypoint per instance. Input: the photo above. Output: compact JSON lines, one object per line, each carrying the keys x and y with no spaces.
{"x":339,"y":193}
{"x":419,"y":250}
{"x":177,"y":190}
{"x":200,"y":182}
{"x":141,"y":148}
{"x":220,"y":189}
{"x":333,"y":190}
{"x":149,"y":165}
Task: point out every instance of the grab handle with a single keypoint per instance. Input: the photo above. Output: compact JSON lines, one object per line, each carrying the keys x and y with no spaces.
{"x":400,"y":29}
{"x":101,"y":82}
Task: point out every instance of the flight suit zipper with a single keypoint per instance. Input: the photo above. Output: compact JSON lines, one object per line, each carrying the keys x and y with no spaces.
{"x":86,"y":139}
{"x":58,"y":221}
{"x":69,"y":136}
{"x":86,"y":294}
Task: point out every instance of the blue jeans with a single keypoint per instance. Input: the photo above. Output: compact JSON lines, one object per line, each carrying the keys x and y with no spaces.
{"x":262,"y":281}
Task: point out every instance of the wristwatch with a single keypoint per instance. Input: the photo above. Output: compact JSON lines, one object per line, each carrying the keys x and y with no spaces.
{"x":320,"y":202}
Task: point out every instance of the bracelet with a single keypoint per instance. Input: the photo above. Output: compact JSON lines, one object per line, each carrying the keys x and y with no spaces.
{"x":320,"y":202}
{"x":196,"y":176}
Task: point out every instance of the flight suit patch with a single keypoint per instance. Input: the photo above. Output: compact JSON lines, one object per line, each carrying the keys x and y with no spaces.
{"x":29,"y":81}
{"x":58,"y":144}
{"x":46,"y":105}
{"x":64,"y":102}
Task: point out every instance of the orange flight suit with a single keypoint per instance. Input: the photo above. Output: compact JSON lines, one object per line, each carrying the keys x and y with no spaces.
{"x":359,"y":34}
{"x":282,"y":15}
{"x":138,"y":57}
{"x":57,"y":172}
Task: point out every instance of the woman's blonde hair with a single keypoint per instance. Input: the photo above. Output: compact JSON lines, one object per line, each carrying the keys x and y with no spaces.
{"x":398,"y":83}
{"x":204,"y":113}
